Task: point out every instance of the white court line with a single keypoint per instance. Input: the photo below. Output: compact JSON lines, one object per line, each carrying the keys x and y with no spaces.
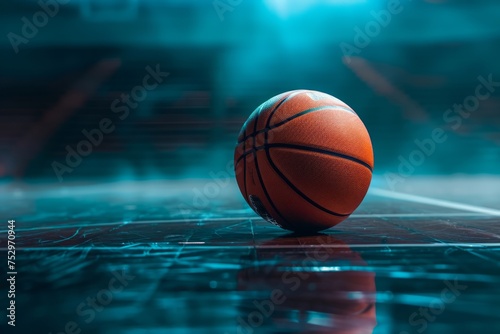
{"x":241,"y":219}
{"x":433,"y":201}
{"x":435,"y":245}
{"x":417,"y":215}
{"x":218,"y":246}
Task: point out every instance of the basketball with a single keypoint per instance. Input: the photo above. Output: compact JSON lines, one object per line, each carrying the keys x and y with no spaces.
{"x":304,"y":161}
{"x":343,"y":297}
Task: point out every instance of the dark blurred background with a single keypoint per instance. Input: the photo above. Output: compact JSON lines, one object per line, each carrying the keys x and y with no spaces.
{"x":400,"y":64}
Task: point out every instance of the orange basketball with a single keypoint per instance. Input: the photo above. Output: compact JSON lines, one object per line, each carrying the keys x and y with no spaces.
{"x":304,"y":160}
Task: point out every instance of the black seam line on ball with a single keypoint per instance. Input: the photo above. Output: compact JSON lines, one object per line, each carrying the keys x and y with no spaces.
{"x":264,"y":187}
{"x":368,"y":308}
{"x":305,"y":112}
{"x":306,"y":149}
{"x":300,"y":193}
{"x":286,"y":98}
{"x":244,"y":171}
{"x":255,"y":127}
{"x":253,"y":146}
{"x":259,"y":175}
{"x":289,"y":225}
{"x":245,"y":137}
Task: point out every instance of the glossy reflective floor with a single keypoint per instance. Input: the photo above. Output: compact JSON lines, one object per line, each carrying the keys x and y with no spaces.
{"x":163,"y":257}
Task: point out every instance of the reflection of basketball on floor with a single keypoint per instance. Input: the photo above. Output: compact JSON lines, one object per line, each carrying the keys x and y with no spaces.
{"x":299,"y":296}
{"x":304,"y":160}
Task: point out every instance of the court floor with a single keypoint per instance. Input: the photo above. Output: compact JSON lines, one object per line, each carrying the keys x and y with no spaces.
{"x":189,"y":256}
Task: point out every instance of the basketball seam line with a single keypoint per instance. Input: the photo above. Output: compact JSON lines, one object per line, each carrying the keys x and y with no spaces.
{"x":300,"y":193}
{"x":244,"y":171}
{"x":291,"y":118}
{"x":264,"y":187}
{"x":306,"y":149}
{"x":277,"y":107}
{"x":260,"y":176}
{"x":289,"y":224}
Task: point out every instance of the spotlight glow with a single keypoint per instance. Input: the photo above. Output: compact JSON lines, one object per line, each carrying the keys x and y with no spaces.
{"x":286,"y":8}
